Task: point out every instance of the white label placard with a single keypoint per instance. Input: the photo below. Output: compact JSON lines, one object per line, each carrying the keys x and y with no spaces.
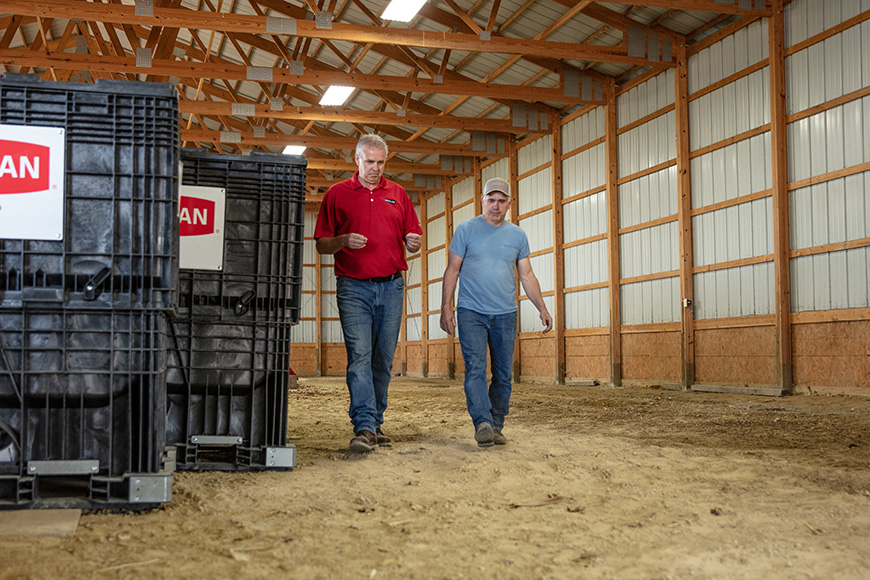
{"x":32,"y":172}
{"x":201,"y":227}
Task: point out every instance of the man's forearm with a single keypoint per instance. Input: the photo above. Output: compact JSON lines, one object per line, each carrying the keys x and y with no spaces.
{"x":330,"y":245}
{"x":448,"y":287}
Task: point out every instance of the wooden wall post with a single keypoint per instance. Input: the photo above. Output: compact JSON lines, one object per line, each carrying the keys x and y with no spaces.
{"x":452,"y":339}
{"x":558,"y":254}
{"x":684,"y":192}
{"x":610,"y":138}
{"x":424,"y":292}
{"x":515,"y":219}
{"x":779,"y":144}
{"x":318,"y":316}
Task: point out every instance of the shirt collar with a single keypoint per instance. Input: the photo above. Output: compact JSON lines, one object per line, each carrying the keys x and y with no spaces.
{"x":358,"y":184}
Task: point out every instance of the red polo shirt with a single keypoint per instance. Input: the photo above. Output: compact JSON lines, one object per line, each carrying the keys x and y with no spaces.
{"x":384,"y":215}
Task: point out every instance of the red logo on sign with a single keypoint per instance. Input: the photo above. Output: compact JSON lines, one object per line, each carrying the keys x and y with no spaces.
{"x":196,"y":217}
{"x":23,"y":167}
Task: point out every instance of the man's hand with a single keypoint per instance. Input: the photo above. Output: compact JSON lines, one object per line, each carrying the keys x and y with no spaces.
{"x":413,"y":242}
{"x":448,"y":320}
{"x":355,"y":241}
{"x":547,"y":320}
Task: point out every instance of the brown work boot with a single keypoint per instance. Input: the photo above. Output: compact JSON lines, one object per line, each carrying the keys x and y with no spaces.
{"x":364,"y":441}
{"x":383,"y":440}
{"x":484,"y":436}
{"x":498,"y":437}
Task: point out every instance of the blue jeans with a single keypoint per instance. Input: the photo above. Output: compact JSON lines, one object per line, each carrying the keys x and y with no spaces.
{"x":371,"y":316}
{"x":477,"y":332}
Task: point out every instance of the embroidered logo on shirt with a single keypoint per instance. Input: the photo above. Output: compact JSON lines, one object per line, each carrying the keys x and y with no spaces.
{"x":392,"y":201}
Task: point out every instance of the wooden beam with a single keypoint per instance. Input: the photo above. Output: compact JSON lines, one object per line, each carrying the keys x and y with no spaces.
{"x":318,"y":181}
{"x":449,"y":227}
{"x":424,"y":289}
{"x":610,"y":141}
{"x":181,"y":18}
{"x":513,"y":179}
{"x":111,"y":64}
{"x":13,"y":25}
{"x":619,"y":21}
{"x":779,"y":161}
{"x":391,"y":167}
{"x":684,"y":213}
{"x":703,"y":6}
{"x":318,"y":286}
{"x":345,"y":115}
{"x":493,"y":15}
{"x":464,"y":16}
{"x":559,"y":361}
{"x":328,"y":142}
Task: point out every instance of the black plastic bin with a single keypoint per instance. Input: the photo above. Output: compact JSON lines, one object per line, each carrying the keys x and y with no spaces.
{"x":227,"y":395}
{"x":120,"y":228}
{"x":261,"y":278}
{"x":229,"y":344}
{"x":82,"y":407}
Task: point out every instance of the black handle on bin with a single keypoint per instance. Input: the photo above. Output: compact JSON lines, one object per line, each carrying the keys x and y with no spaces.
{"x":244,"y":303}
{"x":93,"y":287}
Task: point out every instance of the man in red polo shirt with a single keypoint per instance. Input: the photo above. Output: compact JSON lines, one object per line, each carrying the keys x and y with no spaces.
{"x":368,"y":222}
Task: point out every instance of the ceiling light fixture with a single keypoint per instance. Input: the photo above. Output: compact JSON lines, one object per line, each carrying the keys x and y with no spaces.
{"x":402,"y":10}
{"x":294,"y":150}
{"x":335,"y":96}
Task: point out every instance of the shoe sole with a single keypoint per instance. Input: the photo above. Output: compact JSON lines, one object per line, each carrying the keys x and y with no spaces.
{"x":360,"y":447}
{"x":488,"y":441}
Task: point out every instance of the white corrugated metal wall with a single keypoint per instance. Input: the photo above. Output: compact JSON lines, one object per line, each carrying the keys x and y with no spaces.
{"x":534,"y":193}
{"x":331,"y":331}
{"x":835,"y":211}
{"x":413,"y":294}
{"x":733,"y":234}
{"x":649,"y":250}
{"x":306,"y":330}
{"x":584,"y":221}
{"x":500,"y":168}
{"x":731,"y":174}
{"x":463,"y":209}
{"x":436,"y":260}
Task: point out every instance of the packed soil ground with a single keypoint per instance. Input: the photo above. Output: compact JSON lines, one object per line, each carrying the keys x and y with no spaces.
{"x":595,"y":482}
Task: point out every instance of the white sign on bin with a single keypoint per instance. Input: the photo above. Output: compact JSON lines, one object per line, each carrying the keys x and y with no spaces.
{"x":201,"y":220}
{"x":32,"y":162}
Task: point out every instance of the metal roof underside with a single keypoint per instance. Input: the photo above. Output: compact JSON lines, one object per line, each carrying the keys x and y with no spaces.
{"x":458,"y":80}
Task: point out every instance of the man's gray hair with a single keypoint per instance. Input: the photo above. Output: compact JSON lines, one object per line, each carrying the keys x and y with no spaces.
{"x":371,"y":140}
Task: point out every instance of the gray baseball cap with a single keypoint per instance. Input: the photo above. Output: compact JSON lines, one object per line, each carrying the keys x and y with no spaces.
{"x":497,"y":184}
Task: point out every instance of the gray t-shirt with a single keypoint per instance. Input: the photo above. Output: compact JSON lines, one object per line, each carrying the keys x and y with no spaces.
{"x":487,"y":278}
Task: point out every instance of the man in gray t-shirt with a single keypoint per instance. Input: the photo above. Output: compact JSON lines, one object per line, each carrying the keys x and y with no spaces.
{"x":485,"y":256}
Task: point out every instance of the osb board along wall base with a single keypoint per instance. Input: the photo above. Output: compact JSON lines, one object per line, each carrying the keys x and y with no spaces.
{"x":45,"y":522}
{"x":832,"y":357}
{"x":736,"y":356}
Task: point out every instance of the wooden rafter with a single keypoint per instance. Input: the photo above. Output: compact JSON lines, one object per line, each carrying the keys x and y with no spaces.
{"x":110,"y":64}
{"x":339,"y":114}
{"x":253,"y":24}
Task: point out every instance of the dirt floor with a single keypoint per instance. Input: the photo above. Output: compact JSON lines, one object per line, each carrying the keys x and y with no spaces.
{"x":595,"y":482}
